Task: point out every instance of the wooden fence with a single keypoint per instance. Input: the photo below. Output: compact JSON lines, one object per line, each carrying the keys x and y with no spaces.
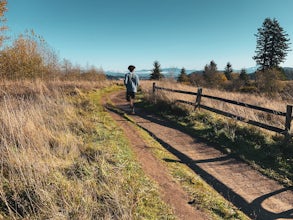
{"x":197,"y":104}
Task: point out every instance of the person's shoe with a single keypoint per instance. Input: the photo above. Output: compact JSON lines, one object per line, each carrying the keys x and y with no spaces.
{"x":132,"y":112}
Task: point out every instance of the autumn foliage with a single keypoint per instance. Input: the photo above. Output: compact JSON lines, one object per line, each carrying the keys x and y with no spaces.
{"x":29,"y":56}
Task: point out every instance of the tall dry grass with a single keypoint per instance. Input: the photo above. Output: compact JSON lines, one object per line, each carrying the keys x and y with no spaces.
{"x":277,"y":103}
{"x":63,"y":157}
{"x":41,"y":155}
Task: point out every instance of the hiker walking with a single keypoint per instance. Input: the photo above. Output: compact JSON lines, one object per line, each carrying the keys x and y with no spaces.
{"x":131,"y":81}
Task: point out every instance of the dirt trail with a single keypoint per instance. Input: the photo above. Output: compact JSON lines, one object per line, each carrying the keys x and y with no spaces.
{"x":256,"y":195}
{"x":170,"y":191}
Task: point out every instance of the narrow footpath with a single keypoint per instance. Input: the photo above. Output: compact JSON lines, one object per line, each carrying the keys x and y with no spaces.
{"x":170,"y":191}
{"x":256,"y":195}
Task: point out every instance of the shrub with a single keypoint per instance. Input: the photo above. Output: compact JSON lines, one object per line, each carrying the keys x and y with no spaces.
{"x":248,"y":89}
{"x":27,"y":58}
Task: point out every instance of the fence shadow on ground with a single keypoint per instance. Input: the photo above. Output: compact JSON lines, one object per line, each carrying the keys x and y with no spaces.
{"x":254,"y":210}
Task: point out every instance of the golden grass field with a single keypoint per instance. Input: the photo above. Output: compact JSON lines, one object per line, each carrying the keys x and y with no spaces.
{"x":61,"y":155}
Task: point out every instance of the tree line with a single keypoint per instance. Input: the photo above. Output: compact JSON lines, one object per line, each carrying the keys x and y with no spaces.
{"x":272,"y":47}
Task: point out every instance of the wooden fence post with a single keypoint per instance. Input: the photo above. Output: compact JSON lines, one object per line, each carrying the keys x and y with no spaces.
{"x":288,"y":122}
{"x":154,"y":92}
{"x":198,"y":98}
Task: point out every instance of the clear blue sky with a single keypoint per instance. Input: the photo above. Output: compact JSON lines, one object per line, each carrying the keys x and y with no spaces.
{"x":178,"y":33}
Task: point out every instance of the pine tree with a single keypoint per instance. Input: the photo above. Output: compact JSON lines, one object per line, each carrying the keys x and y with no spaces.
{"x":210,"y":73}
{"x":183,"y":76}
{"x":228,"y":71}
{"x":272,"y":45}
{"x":243,"y":76}
{"x":156,"y":72}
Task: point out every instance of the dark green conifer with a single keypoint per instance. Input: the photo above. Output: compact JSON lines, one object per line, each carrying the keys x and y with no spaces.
{"x":156,"y":72}
{"x":272,"y":45}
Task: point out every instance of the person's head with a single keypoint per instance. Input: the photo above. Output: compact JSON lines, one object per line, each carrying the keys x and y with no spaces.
{"x":131,"y":68}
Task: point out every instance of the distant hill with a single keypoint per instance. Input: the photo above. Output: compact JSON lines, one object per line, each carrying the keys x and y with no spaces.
{"x":288,"y":72}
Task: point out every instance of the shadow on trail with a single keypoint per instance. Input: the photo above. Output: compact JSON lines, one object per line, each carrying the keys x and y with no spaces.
{"x":254,"y":209}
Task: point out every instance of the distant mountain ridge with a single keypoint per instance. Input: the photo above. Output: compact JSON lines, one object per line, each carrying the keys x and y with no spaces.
{"x":145,"y":73}
{"x":174,"y":72}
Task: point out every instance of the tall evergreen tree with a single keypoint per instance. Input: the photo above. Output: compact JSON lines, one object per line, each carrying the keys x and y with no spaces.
{"x":156,"y":72}
{"x":228,"y":71}
{"x":272,"y":44}
{"x":183,"y":76}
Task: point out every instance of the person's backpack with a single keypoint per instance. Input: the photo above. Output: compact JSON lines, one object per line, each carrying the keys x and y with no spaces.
{"x":132,"y":77}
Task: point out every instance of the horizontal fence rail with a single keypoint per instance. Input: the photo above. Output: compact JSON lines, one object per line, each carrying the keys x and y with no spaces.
{"x":197,"y":104}
{"x":246,"y":105}
{"x":176,"y":90}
